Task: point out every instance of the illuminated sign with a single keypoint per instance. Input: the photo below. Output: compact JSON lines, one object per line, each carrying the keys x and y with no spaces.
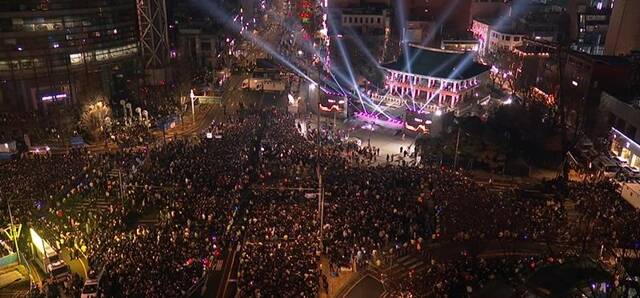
{"x":53,"y":97}
{"x":418,"y":121}
{"x":332,"y":102}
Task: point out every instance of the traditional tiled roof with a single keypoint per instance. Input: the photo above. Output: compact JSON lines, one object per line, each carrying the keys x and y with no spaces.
{"x":437,"y":63}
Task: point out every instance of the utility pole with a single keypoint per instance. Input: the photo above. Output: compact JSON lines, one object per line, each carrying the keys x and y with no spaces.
{"x":15,"y":241}
{"x":192,"y":97}
{"x":334,"y":121}
{"x":369,"y":138}
{"x":455,"y":158}
{"x":121,"y":186}
{"x":320,"y":203}
{"x":13,"y":231}
{"x":318,"y":127}
{"x":318,"y":166}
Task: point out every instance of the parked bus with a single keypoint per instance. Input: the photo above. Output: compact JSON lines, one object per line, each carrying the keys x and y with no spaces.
{"x":48,"y":258}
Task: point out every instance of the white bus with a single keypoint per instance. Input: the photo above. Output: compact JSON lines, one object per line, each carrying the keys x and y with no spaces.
{"x":48,"y":258}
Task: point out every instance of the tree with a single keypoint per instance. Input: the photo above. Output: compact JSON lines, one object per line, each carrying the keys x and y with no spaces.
{"x":95,"y":117}
{"x":508,"y":65}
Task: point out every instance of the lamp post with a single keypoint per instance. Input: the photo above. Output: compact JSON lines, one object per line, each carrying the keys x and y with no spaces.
{"x":455,"y":158}
{"x":192,"y":96}
{"x":124,"y":108}
{"x":15,"y":241}
{"x":370,"y":130}
{"x":13,"y":231}
{"x":130,"y":111}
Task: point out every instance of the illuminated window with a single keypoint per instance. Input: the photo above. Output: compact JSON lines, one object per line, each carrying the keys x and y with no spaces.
{"x":75,"y":58}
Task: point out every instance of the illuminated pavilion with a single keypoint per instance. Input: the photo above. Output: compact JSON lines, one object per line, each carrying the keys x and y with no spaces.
{"x":433,"y":77}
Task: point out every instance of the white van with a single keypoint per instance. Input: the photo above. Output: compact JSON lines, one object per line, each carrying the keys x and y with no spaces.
{"x":56,"y":266}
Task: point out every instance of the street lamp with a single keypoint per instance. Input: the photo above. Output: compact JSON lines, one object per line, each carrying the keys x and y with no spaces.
{"x":124,"y":109}
{"x":192,"y":96}
{"x":130,"y":110}
{"x":139,"y":111}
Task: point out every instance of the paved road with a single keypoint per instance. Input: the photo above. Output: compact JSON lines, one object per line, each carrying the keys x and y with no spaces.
{"x":223,"y":283}
{"x":367,"y":287}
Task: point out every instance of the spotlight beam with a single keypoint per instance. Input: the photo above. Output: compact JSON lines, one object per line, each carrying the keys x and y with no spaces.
{"x":439,"y":22}
{"x":227,"y":22}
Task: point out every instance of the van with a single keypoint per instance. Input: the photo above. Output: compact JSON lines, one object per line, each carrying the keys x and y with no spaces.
{"x":92,"y":284}
{"x":56,"y":266}
{"x":607,"y":166}
{"x":59,"y":271}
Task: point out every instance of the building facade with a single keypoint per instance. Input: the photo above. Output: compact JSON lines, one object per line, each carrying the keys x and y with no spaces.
{"x":493,"y":35}
{"x":589,"y":23}
{"x":622,"y":118}
{"x":199,"y":48}
{"x":53,"y":51}
{"x":624,"y":33}
{"x":373,"y":21}
{"x":585,"y":78}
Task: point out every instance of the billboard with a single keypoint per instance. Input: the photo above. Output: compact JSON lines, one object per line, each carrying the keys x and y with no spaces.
{"x":418,"y":121}
{"x":333,"y":103}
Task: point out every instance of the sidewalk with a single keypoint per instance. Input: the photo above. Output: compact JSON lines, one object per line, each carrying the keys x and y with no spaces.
{"x":78,"y":266}
{"x":12,"y":276}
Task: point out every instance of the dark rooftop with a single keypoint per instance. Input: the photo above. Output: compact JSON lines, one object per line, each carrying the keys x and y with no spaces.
{"x":613,"y":60}
{"x":438,"y":63}
{"x":502,"y":25}
{"x":534,"y":49}
{"x":266,"y":64}
{"x":604,"y":59}
{"x":626,"y":95}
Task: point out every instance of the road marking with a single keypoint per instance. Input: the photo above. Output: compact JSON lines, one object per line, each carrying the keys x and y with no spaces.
{"x":219,"y":265}
{"x":228,"y":275}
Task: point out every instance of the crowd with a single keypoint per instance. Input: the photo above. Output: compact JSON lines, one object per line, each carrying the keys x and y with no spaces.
{"x":468,"y":276}
{"x":136,"y":134}
{"x":51,"y":195}
{"x":605,"y":218}
{"x":267,"y":165}
{"x":279,"y":258}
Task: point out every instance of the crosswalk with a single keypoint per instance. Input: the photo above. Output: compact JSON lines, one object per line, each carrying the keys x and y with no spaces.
{"x":100,"y":204}
{"x":400,"y":269}
{"x":148,"y":221}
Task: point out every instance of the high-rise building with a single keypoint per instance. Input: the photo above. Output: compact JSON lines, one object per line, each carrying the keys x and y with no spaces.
{"x":585,"y":77}
{"x":57,"y":51}
{"x":589,"y":24}
{"x":624,"y":30}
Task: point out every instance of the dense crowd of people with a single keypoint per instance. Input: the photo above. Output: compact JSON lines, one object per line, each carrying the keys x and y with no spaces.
{"x":256,"y":182}
{"x":605,"y":217}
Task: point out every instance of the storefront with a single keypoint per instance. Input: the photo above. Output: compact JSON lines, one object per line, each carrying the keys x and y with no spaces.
{"x":625,"y":148}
